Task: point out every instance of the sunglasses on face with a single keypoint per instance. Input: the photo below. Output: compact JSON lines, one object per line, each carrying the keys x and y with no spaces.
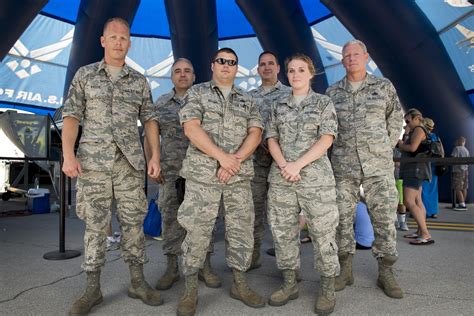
{"x":223,"y":61}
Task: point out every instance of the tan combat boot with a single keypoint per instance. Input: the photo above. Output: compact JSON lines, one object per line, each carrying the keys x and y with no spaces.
{"x":171,"y":274}
{"x":386,"y":280}
{"x":326,"y":297}
{"x":256,"y":263}
{"x":241,"y":291}
{"x":188,"y":302}
{"x":141,"y":289}
{"x":91,"y":296}
{"x":207,"y":275}
{"x":288,"y":290}
{"x":345,"y":277}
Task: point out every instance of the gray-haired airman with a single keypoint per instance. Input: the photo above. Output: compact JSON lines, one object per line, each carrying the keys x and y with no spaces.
{"x":370,"y":121}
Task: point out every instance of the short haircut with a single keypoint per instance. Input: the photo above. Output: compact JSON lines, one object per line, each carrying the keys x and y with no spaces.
{"x":304,"y":58}
{"x":357,"y":42}
{"x":460,"y":141}
{"x":116,"y":19}
{"x":413,"y":113}
{"x":226,"y":50}
{"x":182,"y":59}
{"x":269,"y":53}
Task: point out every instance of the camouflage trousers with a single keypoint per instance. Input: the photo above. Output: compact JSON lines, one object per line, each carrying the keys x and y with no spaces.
{"x":259,"y":194}
{"x":197,"y":214}
{"x":319,"y":207}
{"x":173,"y":232}
{"x":381,"y":198}
{"x":96,"y":191}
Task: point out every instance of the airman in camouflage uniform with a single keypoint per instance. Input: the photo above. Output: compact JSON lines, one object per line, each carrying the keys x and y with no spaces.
{"x":302,"y":127}
{"x":265,"y":95}
{"x":173,"y":150}
{"x":224,"y":127}
{"x":108,"y":97}
{"x":370,"y":121}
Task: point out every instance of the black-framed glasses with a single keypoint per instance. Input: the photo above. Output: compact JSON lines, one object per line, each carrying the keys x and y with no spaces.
{"x":223,"y":61}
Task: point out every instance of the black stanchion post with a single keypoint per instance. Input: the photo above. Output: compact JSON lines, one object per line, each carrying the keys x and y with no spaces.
{"x":453,"y":198}
{"x":62,"y":254}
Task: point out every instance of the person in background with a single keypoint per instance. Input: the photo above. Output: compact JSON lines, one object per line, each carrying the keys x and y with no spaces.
{"x":113,"y":238}
{"x":413,"y":174}
{"x":363,"y":230}
{"x":460,"y":175}
{"x":401,"y":222}
{"x":429,"y":191}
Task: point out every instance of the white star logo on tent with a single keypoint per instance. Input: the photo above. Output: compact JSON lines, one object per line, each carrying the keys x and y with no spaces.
{"x":249,"y":78}
{"x":458,"y":3}
{"x":27,"y":66}
{"x":468,"y":40}
{"x":156,"y":71}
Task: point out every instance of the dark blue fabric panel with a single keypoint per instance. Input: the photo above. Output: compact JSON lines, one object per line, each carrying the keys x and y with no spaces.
{"x":193,"y":28}
{"x":151,"y":18}
{"x":282,"y":28}
{"x":20,"y":15}
{"x":409,"y":52}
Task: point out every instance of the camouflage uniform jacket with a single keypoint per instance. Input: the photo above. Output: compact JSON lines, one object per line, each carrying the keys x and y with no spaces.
{"x":370,"y":122}
{"x":297,"y":128}
{"x":109,"y":112}
{"x":264,"y":100}
{"x":226,"y":121}
{"x":173,"y":141}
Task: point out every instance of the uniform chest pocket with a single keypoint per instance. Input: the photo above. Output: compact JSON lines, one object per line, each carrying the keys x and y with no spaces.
{"x":375,"y":110}
{"x":98,"y":92}
{"x":240,"y":120}
{"x":241,"y":115}
{"x":131,"y":97}
{"x":212,"y":119}
{"x":310,"y":126}
{"x":287,"y":133}
{"x":342,"y":104}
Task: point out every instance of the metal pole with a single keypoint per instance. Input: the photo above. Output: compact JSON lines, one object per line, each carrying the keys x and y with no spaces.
{"x":62,"y":254}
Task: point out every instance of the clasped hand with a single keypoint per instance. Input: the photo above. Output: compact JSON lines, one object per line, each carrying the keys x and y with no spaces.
{"x":290,"y":171}
{"x":229,"y":167}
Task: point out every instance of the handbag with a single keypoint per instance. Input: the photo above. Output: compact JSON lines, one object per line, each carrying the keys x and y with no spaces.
{"x":440,"y":170}
{"x":431,"y":146}
{"x":435,"y":147}
{"x":152,"y":222}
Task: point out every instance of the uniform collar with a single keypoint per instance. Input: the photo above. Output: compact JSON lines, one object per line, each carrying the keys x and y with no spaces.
{"x":125,"y":68}
{"x":233,"y":90}
{"x":172,"y":96}
{"x":278,"y":86}
{"x":345,"y":85}
{"x":288,"y":99}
